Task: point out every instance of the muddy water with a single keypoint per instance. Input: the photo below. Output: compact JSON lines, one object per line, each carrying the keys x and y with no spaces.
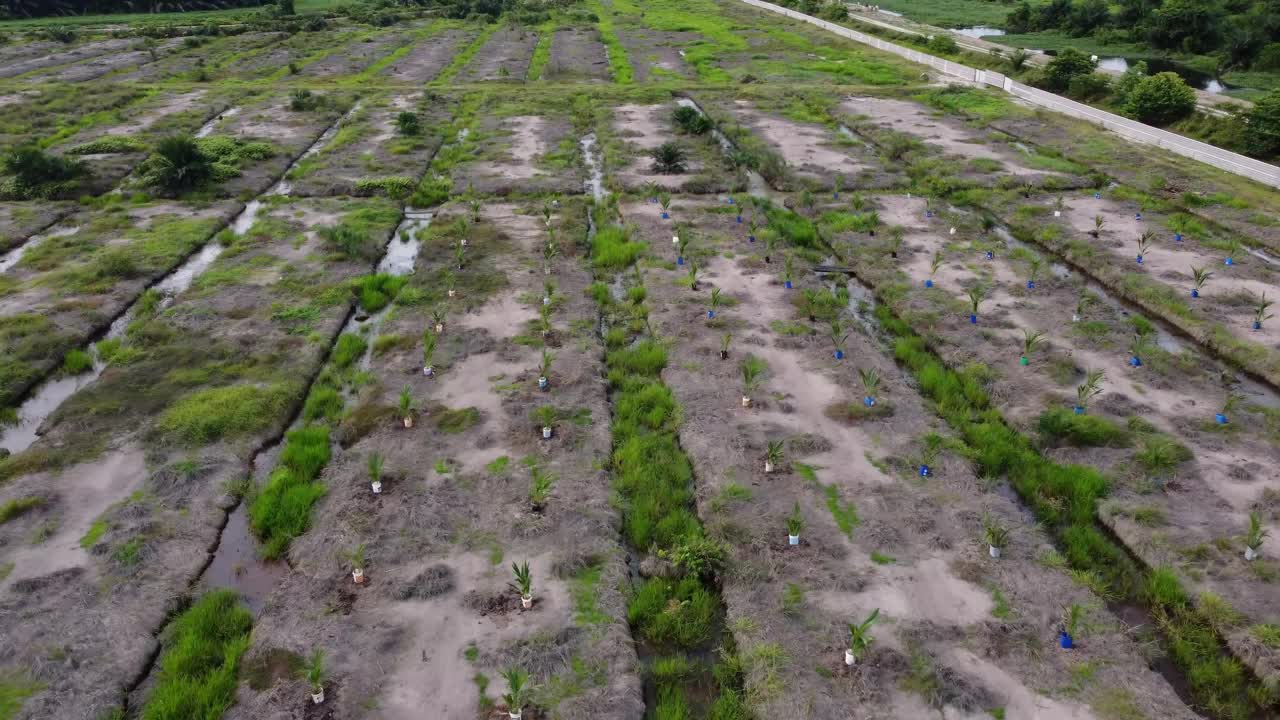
{"x":595,"y":174}
{"x":236,"y":564}
{"x":402,"y":251}
{"x":207,"y":129}
{"x":46,"y":397}
{"x":13,"y":256}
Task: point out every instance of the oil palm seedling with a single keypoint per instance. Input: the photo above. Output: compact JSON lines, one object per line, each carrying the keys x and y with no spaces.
{"x":545,"y":417}
{"x":1034,"y":267}
{"x":356,"y":556}
{"x":651,"y":191}
{"x":752,"y":377}
{"x":450,"y":284}
{"x":540,"y":485}
{"x":437,"y":318}
{"x":857,"y":202}
{"x":406,"y":406}
{"x":809,"y":303}
{"x":715,"y":303}
{"x":786,"y":271}
{"x":1233,"y":250}
{"x":692,"y":277}
{"x":523,"y":583}
{"x":870,"y":385}
{"x":664,"y":200}
{"x":795,"y":523}
{"x":1144,"y":243}
{"x":976,"y":295}
{"x":549,"y":253}
{"x":1260,"y":314}
{"x":987,"y":223}
{"x":871,"y":221}
{"x":460,"y":255}
{"x":1072,"y":617}
{"x":1098,"y":224}
{"x":1086,"y":299}
{"x":313,"y":671}
{"x":429,"y":341}
{"x":839,"y":335}
{"x":1178,"y":223}
{"x":773,"y":456}
{"x":1229,"y":404}
{"x":1254,"y":536}
{"x":860,"y":638}
{"x":807,"y":202}
{"x":682,"y":245}
{"x":836,"y":185}
{"x":1088,"y":390}
{"x":544,"y":369}
{"x":544,"y":319}
{"x":934,"y":266}
{"x":896,"y":234}
{"x":725,"y":339}
{"x":1058,"y":205}
{"x":375,"y":472}
{"x":547,"y":212}
{"x":753,"y":229}
{"x":177,"y":164}
{"x":475,"y":206}
{"x":548,"y":291}
{"x":517,"y":692}
{"x":668,"y":159}
{"x":995,"y":535}
{"x":1199,"y":276}
{"x":1030,"y":341}
{"x":1138,"y":347}
{"x":770,"y":241}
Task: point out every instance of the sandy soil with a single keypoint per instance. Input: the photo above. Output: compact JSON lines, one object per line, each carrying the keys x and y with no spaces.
{"x":951,"y":135}
{"x":429,"y":56}
{"x":577,"y":53}
{"x":656,"y":53}
{"x":137,"y":490}
{"x":645,"y":127}
{"x":355,"y":56}
{"x":410,"y":648}
{"x":62,"y":55}
{"x":513,"y":155}
{"x":1205,"y":499}
{"x":101,"y":65}
{"x":937,"y":596}
{"x":811,"y":151}
{"x":509,"y":50}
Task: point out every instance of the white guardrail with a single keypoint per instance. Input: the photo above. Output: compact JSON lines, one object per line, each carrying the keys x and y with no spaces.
{"x":1130,"y":129}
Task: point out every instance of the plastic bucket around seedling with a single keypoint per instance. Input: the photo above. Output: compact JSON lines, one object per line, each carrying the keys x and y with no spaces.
{"x":1023,"y":360}
{"x":1078,"y":410}
{"x":680,"y":260}
{"x":928,"y":213}
{"x":1135,"y":361}
{"x":788,"y":285}
{"x":1195,"y":293}
{"x":1065,"y":641}
{"x":546,"y":433}
{"x":793,"y":539}
{"x":1139,"y":259}
{"x":973,"y":319}
{"x":711,"y":314}
{"x":1229,"y":261}
{"x":925,"y":471}
{"x":869,"y":401}
{"x":928,"y":283}
{"x":1257,"y":325}
{"x":751,"y":238}
{"x":542,"y":383}
{"x":991,"y":255}
{"x":1177,"y":237}
{"x":1220,"y":418}
{"x":739,"y":219}
{"x":666,"y":215}
{"x":839,"y":354}
{"x":1137,"y":216}
{"x":1097,"y":196}
{"x":1031,"y":284}
{"x":729,"y":200}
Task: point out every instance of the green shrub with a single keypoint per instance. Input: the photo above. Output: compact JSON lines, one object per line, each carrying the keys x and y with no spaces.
{"x":394,"y":187}
{"x":199,"y":661}
{"x":324,"y":403}
{"x":19,"y":506}
{"x":1059,"y":425}
{"x":377,"y":291}
{"x":222,"y":413}
{"x":177,"y":163}
{"x":673,"y":613}
{"x":34,"y":174}
{"x":1160,"y":99}
{"x":76,"y":362}
{"x":349,"y":348}
{"x":108,"y":145}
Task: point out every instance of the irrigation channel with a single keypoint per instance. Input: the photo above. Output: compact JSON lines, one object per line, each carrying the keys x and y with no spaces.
{"x":862,"y":304}
{"x":46,"y":397}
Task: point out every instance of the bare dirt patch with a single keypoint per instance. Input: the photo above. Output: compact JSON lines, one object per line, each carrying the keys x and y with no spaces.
{"x":355,"y":56}
{"x":577,"y":53}
{"x":61,"y":55}
{"x":504,"y":56}
{"x":429,"y":56}
{"x":656,"y":54}
{"x":515,"y":158}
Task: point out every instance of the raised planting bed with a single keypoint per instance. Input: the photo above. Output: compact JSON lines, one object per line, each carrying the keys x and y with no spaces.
{"x":638,"y":130}
{"x":504,"y":56}
{"x":429,"y":56}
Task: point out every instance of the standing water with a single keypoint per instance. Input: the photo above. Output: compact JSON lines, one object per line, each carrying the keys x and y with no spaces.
{"x":47,"y":396}
{"x":207,"y":129}
{"x":13,"y":256}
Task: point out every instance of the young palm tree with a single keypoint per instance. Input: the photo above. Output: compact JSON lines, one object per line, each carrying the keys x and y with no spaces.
{"x":725,"y":339}
{"x":1088,"y":390}
{"x":1260,"y":314}
{"x":1030,"y":341}
{"x":429,"y":340}
{"x":437,"y":318}
{"x":836,"y":184}
{"x":860,"y":638}
{"x":773,"y":456}
{"x":406,"y":406}
{"x":544,"y":369}
{"x":651,"y":191}
{"x":786,"y":270}
{"x":715,"y":303}
{"x":315,"y":673}
{"x":669,"y":159}
{"x":545,"y":417}
{"x":807,"y":202}
{"x":1144,"y":243}
{"x":1098,"y":224}
{"x":976,"y":295}
{"x":375,"y":471}
{"x":934,"y":266}
{"x":752,"y":375}
{"x":857,"y":202}
{"x":544,"y":319}
{"x":1199,"y":276}
{"x":664,"y":200}
{"x":1058,"y":206}
{"x":177,"y":164}
{"x":523,"y":583}
{"x":896,"y":234}
{"x":1233,"y":251}
{"x":1086,"y":299}
{"x":753,"y":229}
{"x":809,"y":298}
{"x":995,"y":535}
{"x":1138,"y":347}
{"x":770,"y":241}
{"x":870,"y":385}
{"x":692,"y":276}
{"x":795,"y":523}
{"x":540,"y":488}
{"x":839,"y":335}
{"x":1034,"y":266}
{"x":1254,"y":536}
{"x":517,"y":690}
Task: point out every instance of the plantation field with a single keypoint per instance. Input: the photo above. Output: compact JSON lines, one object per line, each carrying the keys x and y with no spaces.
{"x":615,"y":360}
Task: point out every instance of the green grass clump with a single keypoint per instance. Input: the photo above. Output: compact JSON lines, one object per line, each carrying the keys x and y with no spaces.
{"x":377,"y":291}
{"x":675,"y":613}
{"x":612,"y":249}
{"x":95,"y":533}
{"x":457,"y":421}
{"x":324,"y":403}
{"x":282,"y":510}
{"x":200,"y":659}
{"x":1059,"y":425}
{"x":19,"y":506}
{"x":76,"y":362}
{"x":348,"y":349}
{"x":15,"y":688}
{"x":221,"y":413}
{"x":646,"y":359}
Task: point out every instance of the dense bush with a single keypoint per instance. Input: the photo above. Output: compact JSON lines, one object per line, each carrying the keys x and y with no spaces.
{"x":1065,"y":67}
{"x":1160,"y":99}
{"x":178,"y":163}
{"x":34,"y":174}
{"x":1262,"y":133}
